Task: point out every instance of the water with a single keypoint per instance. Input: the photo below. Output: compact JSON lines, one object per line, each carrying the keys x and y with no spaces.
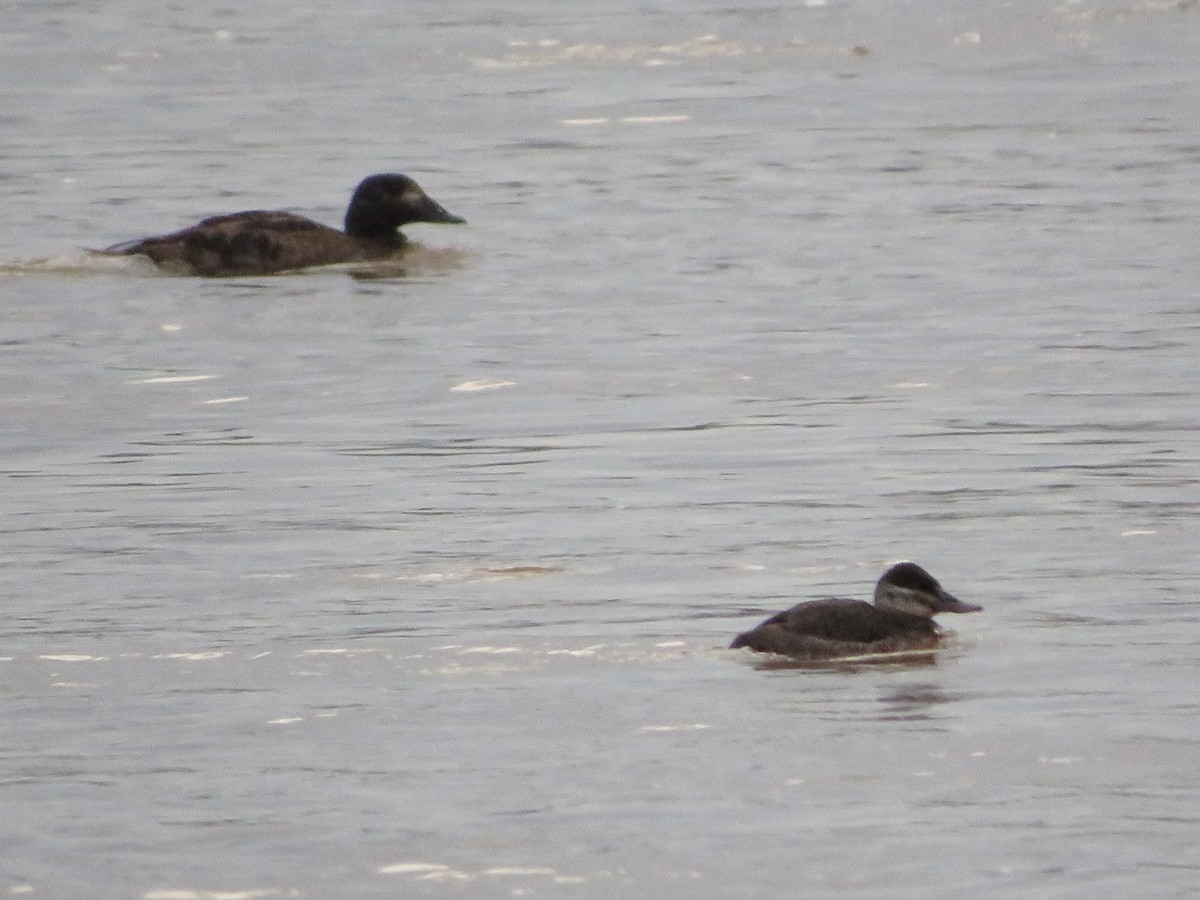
{"x":319,"y":586}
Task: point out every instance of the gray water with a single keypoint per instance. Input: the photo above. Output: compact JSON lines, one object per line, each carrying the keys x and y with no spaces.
{"x":328,"y":586}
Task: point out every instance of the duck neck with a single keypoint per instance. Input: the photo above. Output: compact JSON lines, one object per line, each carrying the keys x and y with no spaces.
{"x":366,"y":223}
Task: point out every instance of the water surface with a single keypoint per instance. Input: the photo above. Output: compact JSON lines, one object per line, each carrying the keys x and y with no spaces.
{"x":322,"y":586}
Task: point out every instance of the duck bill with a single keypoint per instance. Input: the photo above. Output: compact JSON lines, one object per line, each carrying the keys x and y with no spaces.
{"x":950,"y":603}
{"x":435,"y":212}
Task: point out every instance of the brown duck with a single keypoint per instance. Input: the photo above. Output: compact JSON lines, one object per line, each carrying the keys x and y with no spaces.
{"x":262,"y":242}
{"x":901,"y":619}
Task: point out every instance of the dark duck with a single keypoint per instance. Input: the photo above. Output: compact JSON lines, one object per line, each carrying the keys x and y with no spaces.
{"x":901,"y":619}
{"x":261,"y":242}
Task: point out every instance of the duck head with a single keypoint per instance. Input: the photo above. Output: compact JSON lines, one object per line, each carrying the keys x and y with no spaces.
{"x":382,"y":203}
{"x":908,"y":588}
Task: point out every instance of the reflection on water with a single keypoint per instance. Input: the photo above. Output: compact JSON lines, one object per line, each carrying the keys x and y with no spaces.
{"x":903,"y":659}
{"x":914,"y":703}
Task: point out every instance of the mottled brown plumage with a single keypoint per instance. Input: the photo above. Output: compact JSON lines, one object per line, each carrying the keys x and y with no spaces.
{"x":262,"y":242}
{"x":906,"y":598}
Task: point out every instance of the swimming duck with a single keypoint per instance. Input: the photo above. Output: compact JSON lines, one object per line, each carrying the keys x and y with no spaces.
{"x":906,"y":598}
{"x":260,"y":242}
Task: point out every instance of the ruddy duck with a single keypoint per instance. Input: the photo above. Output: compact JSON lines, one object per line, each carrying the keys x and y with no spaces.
{"x":906,"y":599}
{"x":260,"y":242}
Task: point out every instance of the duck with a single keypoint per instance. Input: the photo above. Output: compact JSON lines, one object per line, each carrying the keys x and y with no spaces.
{"x":263,"y":242}
{"x":900,"y":619}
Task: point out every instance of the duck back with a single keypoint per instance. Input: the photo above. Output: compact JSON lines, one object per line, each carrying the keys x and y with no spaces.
{"x":825,"y":629}
{"x":257,"y":242}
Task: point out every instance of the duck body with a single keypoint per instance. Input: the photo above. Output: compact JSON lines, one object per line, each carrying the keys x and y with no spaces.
{"x":263,"y":242}
{"x":900,"y":619}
